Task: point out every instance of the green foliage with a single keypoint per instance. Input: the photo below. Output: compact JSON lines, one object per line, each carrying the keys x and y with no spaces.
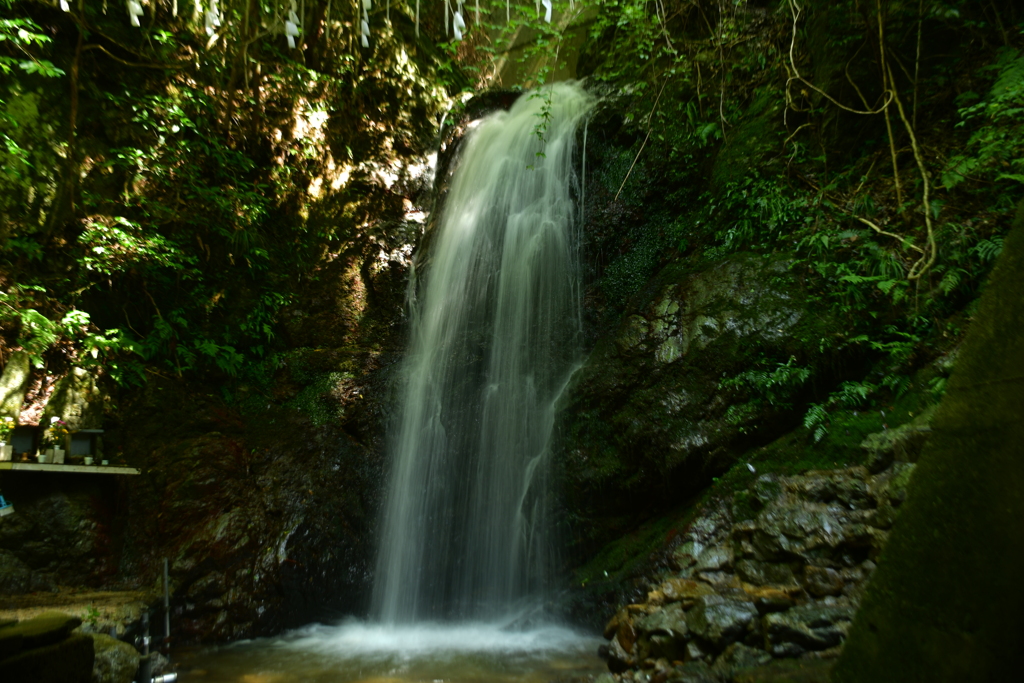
{"x":24,"y":34}
{"x":776,"y":385}
{"x":995,"y":149}
{"x":319,"y":400}
{"x":193,"y":204}
{"x":118,"y":245}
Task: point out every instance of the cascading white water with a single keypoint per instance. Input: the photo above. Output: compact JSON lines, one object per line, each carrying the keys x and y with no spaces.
{"x":495,"y":336}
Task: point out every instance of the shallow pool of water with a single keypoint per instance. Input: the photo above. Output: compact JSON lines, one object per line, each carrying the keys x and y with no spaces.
{"x":359,"y":652}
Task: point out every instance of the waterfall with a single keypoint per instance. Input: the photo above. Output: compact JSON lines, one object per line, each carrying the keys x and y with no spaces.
{"x":495,"y":336}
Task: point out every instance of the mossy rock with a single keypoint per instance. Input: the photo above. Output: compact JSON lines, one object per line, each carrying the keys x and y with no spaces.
{"x":46,"y":629}
{"x":13,"y":384}
{"x":67,"y":661}
{"x":116,"y":661}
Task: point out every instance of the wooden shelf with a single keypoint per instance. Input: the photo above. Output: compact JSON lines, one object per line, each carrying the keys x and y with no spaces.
{"x":81,"y":469}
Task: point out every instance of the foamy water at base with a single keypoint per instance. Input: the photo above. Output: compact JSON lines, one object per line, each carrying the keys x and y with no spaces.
{"x":359,"y":652}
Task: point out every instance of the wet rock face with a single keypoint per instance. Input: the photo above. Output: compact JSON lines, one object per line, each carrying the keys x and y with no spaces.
{"x":265,"y":526}
{"x":778,"y":581}
{"x":62,"y":533}
{"x":646,"y":416}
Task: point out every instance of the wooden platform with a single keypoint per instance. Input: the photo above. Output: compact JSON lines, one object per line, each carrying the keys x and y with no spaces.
{"x":77,"y":469}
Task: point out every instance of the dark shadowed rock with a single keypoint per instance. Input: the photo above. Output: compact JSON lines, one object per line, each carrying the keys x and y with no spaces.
{"x":822,"y":581}
{"x":66,"y":661}
{"x":902,"y":444}
{"x":808,"y":627}
{"x":645,"y":417}
{"x":669,"y":621}
{"x":765,"y":573}
{"x":720,"y":621}
{"x":692,"y":672}
{"x":685,"y":590}
{"x":737,"y":657}
{"x":115,"y":661}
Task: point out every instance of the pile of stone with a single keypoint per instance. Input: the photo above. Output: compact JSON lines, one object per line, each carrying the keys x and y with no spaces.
{"x":50,"y":648}
{"x":772,"y":573}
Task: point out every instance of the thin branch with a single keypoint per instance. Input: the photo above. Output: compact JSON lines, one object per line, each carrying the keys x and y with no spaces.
{"x":650,"y":127}
{"x":107,"y":52}
{"x":800,"y":128}
{"x":721,"y":79}
{"x":902,"y":240}
{"x":889,"y":86}
{"x":927,"y":260}
{"x":917,"y":57}
{"x":794,"y":74}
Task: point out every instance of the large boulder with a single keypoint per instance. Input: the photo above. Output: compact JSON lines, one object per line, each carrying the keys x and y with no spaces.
{"x":68,"y":661}
{"x":646,"y":417}
{"x":115,"y":661}
{"x":720,"y":621}
{"x":13,"y":384}
{"x":78,"y":399}
{"x":807,"y":627}
{"x":45,"y":650}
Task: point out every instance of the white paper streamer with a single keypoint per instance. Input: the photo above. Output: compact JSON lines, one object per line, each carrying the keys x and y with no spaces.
{"x":134,"y":12}
{"x":364,"y":25}
{"x":547,"y":10}
{"x":458,"y":24}
{"x":291,"y":26}
{"x":65,"y":6}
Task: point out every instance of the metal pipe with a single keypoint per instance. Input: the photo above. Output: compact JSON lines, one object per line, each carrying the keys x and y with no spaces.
{"x":167,"y":605}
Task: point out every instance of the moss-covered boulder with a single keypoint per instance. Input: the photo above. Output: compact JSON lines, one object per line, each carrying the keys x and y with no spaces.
{"x":13,"y":384}
{"x":79,"y":399}
{"x":43,"y":650}
{"x":115,"y":661}
{"x":68,"y":661}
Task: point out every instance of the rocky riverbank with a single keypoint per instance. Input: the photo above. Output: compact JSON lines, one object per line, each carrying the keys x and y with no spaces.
{"x":765,"y":581}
